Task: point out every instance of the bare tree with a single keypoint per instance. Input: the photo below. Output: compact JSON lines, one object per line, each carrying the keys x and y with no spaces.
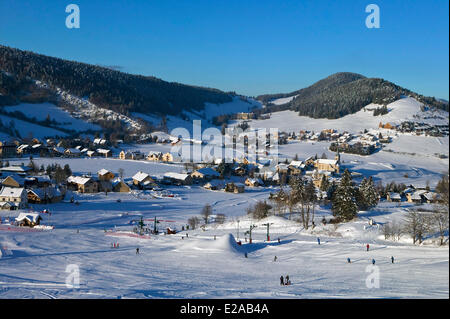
{"x":397,"y":231}
{"x":439,"y":221}
{"x":417,"y":224}
{"x":206,"y":212}
{"x":439,"y":217}
{"x":193,"y":222}
{"x":392,"y":230}
{"x":260,"y":210}
{"x":387,"y":231}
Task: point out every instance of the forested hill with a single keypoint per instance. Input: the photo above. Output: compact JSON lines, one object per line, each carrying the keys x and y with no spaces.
{"x":344,"y":93}
{"x":118,"y":91}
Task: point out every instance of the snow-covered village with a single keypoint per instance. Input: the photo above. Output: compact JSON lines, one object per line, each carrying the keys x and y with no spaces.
{"x":205,"y":194}
{"x":137,"y":213}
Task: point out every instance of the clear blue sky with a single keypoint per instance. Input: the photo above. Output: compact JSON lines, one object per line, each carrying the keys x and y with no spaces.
{"x":251,"y":47}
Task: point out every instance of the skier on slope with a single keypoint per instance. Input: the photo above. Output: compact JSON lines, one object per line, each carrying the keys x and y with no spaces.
{"x":281,"y":281}
{"x":137,"y":251}
{"x":348,"y":260}
{"x":392,"y":259}
{"x":373,"y":261}
{"x":318,"y":240}
{"x":367,"y":246}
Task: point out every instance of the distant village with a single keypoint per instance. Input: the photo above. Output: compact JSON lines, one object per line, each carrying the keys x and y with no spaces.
{"x":25,"y":185}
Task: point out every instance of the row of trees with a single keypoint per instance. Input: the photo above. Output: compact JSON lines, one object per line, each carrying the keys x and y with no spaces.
{"x":346,"y":199}
{"x":380,"y":111}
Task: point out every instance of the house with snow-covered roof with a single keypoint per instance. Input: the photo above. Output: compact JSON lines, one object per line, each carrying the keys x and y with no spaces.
{"x":15,"y":169}
{"x":104,"y":152}
{"x":44,"y":195}
{"x":178,"y":178}
{"x":215,"y":184}
{"x":393,"y":197}
{"x":205,"y":173}
{"x":143,"y":180}
{"x":82,"y":184}
{"x":120,"y":186}
{"x":105,"y":175}
{"x":330,"y":165}
{"x":254,"y":182}
{"x":28,"y":219}
{"x":16,"y":197}
{"x":13,"y":180}
{"x":296,"y":167}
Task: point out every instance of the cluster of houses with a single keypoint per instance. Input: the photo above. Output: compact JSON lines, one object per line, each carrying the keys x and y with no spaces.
{"x":413,"y":194}
{"x":421,"y":128}
{"x":428,"y":128}
{"x":364,"y":143}
{"x":151,"y":156}
{"x":243,"y":174}
{"x":53,"y":148}
{"x":256,"y":174}
{"x":250,"y":116}
{"x":19,"y":188}
{"x":105,"y":181}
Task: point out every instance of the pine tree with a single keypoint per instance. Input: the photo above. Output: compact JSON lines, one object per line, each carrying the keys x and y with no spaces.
{"x":297,"y":189}
{"x":370,"y":193}
{"x":60,"y":175}
{"x":344,"y":202}
{"x":67,"y":170}
{"x":324,"y":184}
{"x":310,"y":198}
{"x":359,"y":195}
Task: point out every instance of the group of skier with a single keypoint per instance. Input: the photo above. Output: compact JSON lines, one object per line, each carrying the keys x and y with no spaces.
{"x":285,"y":281}
{"x":367,"y":249}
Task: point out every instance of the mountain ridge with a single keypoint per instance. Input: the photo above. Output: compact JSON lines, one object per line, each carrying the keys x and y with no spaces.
{"x":343,"y":93}
{"x":122,"y":92}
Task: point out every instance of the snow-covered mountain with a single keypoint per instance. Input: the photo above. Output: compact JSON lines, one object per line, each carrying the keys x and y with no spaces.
{"x":404,"y":109}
